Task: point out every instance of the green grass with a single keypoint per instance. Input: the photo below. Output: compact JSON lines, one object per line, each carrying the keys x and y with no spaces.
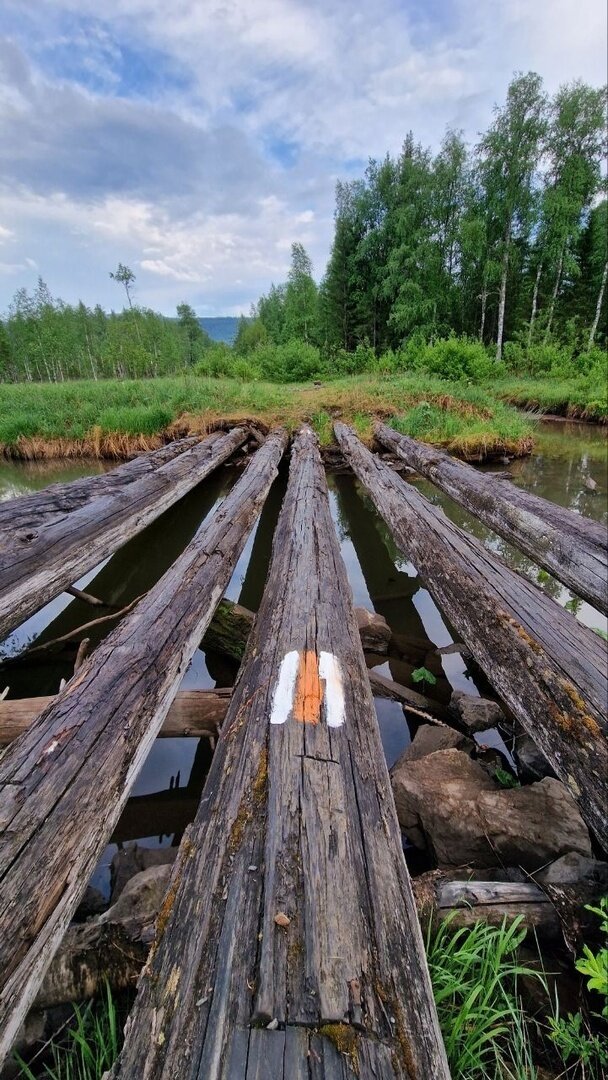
{"x":475,"y":974}
{"x":89,"y":415}
{"x":584,"y":397}
{"x":89,"y":1046}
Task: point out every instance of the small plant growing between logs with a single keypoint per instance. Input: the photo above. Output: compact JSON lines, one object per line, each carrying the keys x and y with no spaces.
{"x":87,"y":1049}
{"x":424,"y":676}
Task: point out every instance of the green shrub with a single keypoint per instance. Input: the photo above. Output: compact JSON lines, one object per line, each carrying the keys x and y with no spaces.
{"x":294,"y":361}
{"x":216,"y":362}
{"x":457,"y":358}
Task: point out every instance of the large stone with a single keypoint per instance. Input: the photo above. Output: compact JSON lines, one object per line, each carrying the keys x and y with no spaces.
{"x":475,"y":713}
{"x":531,"y":763}
{"x":572,"y":869}
{"x":529,"y":826}
{"x":374,"y":631}
{"x":131,"y":860}
{"x":436,"y":800}
{"x":140,"y":900}
{"x":429,"y":739}
{"x":449,"y":804}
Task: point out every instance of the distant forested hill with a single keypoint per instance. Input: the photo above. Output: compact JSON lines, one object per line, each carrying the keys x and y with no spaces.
{"x":221,"y":327}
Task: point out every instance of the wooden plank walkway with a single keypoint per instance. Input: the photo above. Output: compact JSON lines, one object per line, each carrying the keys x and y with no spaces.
{"x":572,"y":547}
{"x":290,"y":904}
{"x":59,"y":553}
{"x":63,"y":783}
{"x":548,"y":668}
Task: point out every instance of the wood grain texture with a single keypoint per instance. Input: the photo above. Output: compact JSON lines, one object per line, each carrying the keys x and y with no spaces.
{"x":548,"y":668}
{"x":290,"y":902}
{"x":63,"y":784}
{"x":571,"y":547}
{"x":57,"y":554}
{"x":193,"y":714}
{"x":29,"y":513}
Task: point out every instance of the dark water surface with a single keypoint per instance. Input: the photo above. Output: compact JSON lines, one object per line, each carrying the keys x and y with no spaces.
{"x":166,"y":794}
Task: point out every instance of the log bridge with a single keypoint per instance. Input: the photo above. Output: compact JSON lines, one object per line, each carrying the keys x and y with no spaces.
{"x":288,"y":944}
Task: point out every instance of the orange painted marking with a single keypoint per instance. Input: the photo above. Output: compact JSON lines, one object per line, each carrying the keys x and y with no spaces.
{"x":309,"y":690}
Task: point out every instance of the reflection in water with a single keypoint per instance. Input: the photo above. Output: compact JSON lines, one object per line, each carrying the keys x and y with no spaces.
{"x":167,"y":791}
{"x":25,"y":477}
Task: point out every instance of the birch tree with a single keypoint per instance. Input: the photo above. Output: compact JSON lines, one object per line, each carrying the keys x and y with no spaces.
{"x":509,"y":154}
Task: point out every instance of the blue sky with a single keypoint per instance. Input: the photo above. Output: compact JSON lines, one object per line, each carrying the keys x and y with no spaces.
{"x":194,"y":140}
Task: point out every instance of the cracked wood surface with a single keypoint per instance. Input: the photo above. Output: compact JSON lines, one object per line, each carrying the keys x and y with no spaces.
{"x":64,"y":783}
{"x":290,"y":901}
{"x":59,"y":553}
{"x":571,"y":547}
{"x":29,"y":513}
{"x":548,"y":668}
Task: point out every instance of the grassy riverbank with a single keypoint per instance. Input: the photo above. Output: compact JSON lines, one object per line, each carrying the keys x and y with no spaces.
{"x":112,"y":418}
{"x":580,"y":399}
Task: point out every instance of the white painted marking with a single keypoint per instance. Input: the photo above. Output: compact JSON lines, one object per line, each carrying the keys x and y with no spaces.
{"x":329,"y":670}
{"x":282,"y":701}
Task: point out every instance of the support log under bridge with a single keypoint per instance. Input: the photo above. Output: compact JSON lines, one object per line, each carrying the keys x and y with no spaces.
{"x":288,"y":943}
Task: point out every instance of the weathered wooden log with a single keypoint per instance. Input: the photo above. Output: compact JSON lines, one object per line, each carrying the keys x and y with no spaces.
{"x":112,"y":949}
{"x":548,"y":668}
{"x":467,"y":902}
{"x":58,"y":554}
{"x":193,"y":714}
{"x":197,"y":714}
{"x":64,"y":783}
{"x":571,"y":547}
{"x":32,"y":512}
{"x":290,"y":899}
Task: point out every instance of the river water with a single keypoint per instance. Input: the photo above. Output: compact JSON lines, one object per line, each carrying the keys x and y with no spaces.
{"x":167,"y":791}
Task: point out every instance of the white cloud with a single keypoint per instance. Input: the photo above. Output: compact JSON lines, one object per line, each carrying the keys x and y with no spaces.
{"x":200,"y":162}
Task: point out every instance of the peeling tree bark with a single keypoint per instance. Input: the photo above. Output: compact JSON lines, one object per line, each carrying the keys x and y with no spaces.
{"x":290,"y":901}
{"x":58,"y":554}
{"x":548,"y":668}
{"x":64,"y":783}
{"x":573,"y":548}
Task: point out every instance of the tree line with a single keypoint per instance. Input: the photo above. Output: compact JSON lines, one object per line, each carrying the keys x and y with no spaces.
{"x":45,"y":339}
{"x":502,"y":241}
{"x":438,"y":261}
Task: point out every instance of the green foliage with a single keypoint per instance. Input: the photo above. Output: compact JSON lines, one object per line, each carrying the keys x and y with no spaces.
{"x":582,"y":1051}
{"x":251,"y":335}
{"x":579,"y":1047}
{"x":424,"y":676}
{"x":88,"y":1048}
{"x":505,"y":778}
{"x":465,"y":419}
{"x":595,"y":965}
{"x":294,"y":361}
{"x":457,"y":358}
{"x":134,"y":419}
{"x":475,"y":973}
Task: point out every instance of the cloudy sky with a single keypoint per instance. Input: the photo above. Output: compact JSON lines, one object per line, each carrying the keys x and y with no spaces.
{"x":194,"y":140}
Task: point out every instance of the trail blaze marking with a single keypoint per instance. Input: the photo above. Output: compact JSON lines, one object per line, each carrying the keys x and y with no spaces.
{"x":330,"y":671}
{"x":305,"y":681}
{"x":283,"y":694}
{"x":309,"y":692}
